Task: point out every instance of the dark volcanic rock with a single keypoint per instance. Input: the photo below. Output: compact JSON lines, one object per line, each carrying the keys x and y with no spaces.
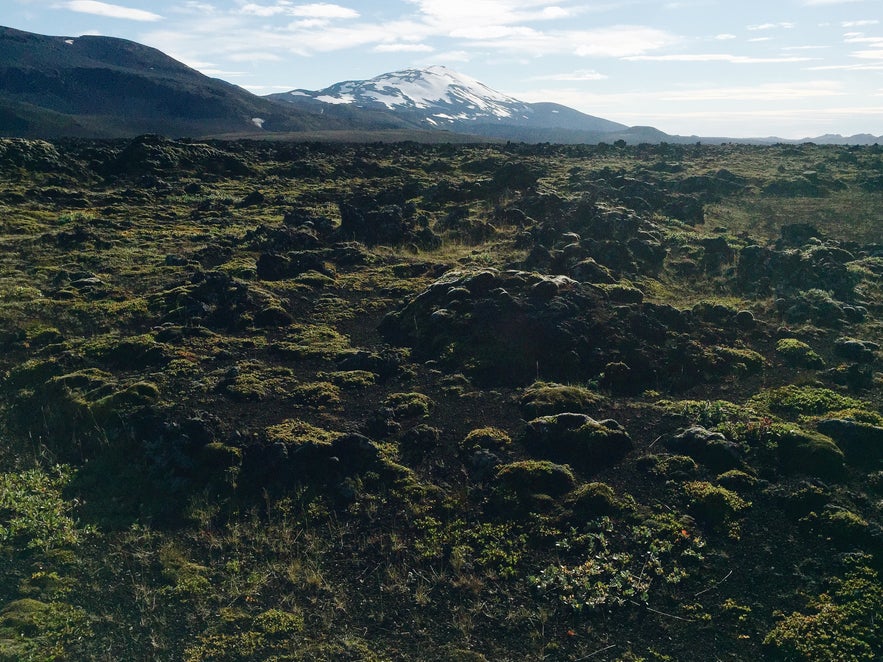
{"x":272,"y":266}
{"x":860,"y":351}
{"x":578,"y":440}
{"x":862,"y":443}
{"x":790,"y":271}
{"x":512,"y":327}
{"x":709,"y":448}
{"x":155,"y":155}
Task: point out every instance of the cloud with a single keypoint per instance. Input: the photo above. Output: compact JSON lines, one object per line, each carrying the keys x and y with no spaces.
{"x":715,"y":57}
{"x":725,"y":37}
{"x":869,"y":55}
{"x":579,"y":75}
{"x":821,"y":3}
{"x":771,"y":26}
{"x":318,"y":10}
{"x":255,"y":57}
{"x":613,"y":42}
{"x":493,"y":32}
{"x":858,"y":24}
{"x":847,"y":67}
{"x":263,"y":10}
{"x":403,"y":48}
{"x":452,"y":14}
{"x":859,"y":38}
{"x":324,"y":10}
{"x":195,"y":7}
{"x":552,"y":13}
{"x":765,"y":92}
{"x":453,"y":56}
{"x":111,"y":11}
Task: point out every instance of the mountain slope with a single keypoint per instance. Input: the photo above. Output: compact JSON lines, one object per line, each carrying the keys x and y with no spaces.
{"x":105,"y":87}
{"x":438,"y":97}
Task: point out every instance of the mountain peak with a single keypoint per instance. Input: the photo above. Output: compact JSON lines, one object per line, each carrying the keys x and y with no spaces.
{"x":445,"y":94}
{"x":439,"y":97}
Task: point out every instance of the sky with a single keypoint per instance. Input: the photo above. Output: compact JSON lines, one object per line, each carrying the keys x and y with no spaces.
{"x":731,"y":68}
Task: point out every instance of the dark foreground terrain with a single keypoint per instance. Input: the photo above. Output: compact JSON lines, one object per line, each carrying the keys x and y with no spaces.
{"x":277,"y":401}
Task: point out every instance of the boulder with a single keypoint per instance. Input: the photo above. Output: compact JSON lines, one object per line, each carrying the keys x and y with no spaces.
{"x":862,"y":442}
{"x":859,"y":351}
{"x":711,"y":449}
{"x":578,"y":439}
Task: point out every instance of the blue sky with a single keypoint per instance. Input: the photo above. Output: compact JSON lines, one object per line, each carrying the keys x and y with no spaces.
{"x":791,"y":68}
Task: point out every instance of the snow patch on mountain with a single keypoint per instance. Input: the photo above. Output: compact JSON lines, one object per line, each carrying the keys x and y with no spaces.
{"x":440,"y":98}
{"x":443,"y":94}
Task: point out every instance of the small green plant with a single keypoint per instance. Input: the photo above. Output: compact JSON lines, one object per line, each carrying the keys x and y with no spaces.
{"x":484,"y":545}
{"x":312,"y":342}
{"x":537,"y":476}
{"x":798,"y":354}
{"x":488,"y":438}
{"x":317,"y":395}
{"x":796,"y":401}
{"x":297,"y":432}
{"x":409,"y":405}
{"x":739,"y":360}
{"x":35,"y":630}
{"x":713,"y":504}
{"x":33,"y":512}
{"x":674,"y":467}
{"x":707,"y":413}
{"x":842,"y":624}
{"x":544,"y":399}
{"x":660,"y":550}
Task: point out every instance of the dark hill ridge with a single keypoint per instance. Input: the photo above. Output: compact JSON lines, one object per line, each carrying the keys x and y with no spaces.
{"x":104,"y":87}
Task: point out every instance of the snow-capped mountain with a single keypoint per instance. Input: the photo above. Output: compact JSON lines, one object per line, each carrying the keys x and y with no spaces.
{"x":437,"y":97}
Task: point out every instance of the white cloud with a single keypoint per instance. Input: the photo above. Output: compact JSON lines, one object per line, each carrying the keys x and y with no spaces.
{"x":263,"y":10}
{"x":859,"y":38}
{"x":195,"y":7}
{"x":453,"y":14}
{"x":714,"y":57}
{"x":613,"y":42}
{"x":453,"y":56}
{"x":490,"y":32}
{"x":771,"y":26}
{"x":111,"y":11}
{"x":858,"y":24}
{"x":579,"y":75}
{"x":869,"y":55}
{"x":403,"y":48}
{"x":725,"y":37}
{"x":255,"y":57}
{"x":308,"y":24}
{"x":765,"y":92}
{"x":847,"y":67}
{"x":552,"y":13}
{"x":324,"y":10}
{"x":319,"y":10}
{"x":820,"y":3}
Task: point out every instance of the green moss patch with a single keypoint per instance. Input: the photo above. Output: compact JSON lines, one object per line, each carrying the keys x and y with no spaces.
{"x":545,"y":398}
{"x":793,"y":401}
